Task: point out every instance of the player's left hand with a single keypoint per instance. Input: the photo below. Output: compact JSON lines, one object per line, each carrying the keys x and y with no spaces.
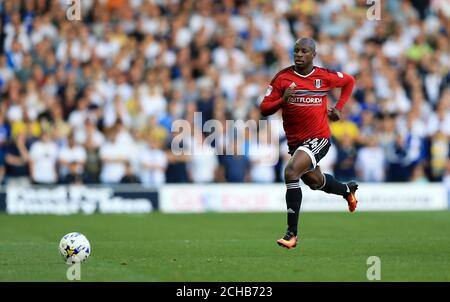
{"x":334,"y":114}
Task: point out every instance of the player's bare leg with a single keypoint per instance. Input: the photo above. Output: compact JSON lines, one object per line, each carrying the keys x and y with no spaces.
{"x":299,"y":163}
{"x":317,"y":180}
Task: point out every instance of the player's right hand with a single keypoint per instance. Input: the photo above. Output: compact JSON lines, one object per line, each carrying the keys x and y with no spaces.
{"x":288,"y":92}
{"x":334,"y":114}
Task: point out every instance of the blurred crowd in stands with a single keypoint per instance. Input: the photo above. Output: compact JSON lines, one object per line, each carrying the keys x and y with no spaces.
{"x":93,"y":101}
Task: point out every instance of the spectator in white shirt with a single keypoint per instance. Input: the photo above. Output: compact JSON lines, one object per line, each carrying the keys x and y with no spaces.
{"x":262,"y":155}
{"x":204,"y":162}
{"x":43,"y":157}
{"x":153,"y":161}
{"x":114,"y":157}
{"x":370,"y":161}
{"x":79,"y":115}
{"x":69,"y":154}
{"x":89,"y":134}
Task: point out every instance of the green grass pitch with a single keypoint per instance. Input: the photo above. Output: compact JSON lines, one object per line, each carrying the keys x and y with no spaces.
{"x":412,"y":246}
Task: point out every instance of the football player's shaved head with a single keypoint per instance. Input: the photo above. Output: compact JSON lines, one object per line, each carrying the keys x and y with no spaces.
{"x":307,"y":42}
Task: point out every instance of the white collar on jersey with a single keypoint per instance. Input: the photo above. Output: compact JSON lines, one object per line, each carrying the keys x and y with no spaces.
{"x":306,"y":75}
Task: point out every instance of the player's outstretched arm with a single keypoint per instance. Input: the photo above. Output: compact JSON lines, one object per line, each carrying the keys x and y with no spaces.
{"x":275,"y":97}
{"x":270,"y":105}
{"x":347,"y":83}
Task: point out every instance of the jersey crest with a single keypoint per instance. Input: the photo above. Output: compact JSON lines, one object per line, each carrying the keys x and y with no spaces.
{"x":318,"y":83}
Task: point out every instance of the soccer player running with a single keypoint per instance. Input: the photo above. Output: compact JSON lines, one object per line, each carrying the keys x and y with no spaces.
{"x":301,"y":92}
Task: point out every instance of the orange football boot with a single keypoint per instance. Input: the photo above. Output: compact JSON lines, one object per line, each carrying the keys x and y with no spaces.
{"x":288,"y":241}
{"x":351,"y":197}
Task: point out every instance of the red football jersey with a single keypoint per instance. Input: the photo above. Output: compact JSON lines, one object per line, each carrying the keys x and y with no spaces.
{"x":305,"y":114}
